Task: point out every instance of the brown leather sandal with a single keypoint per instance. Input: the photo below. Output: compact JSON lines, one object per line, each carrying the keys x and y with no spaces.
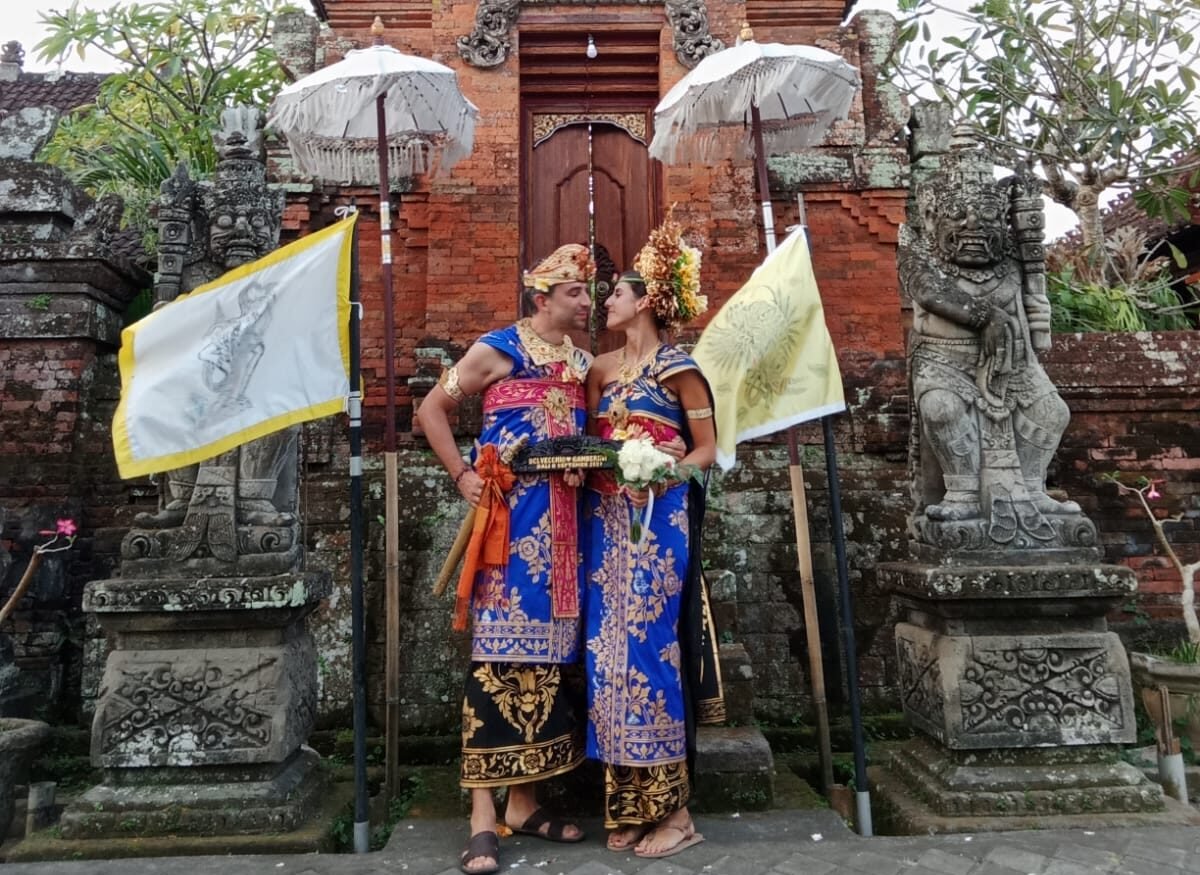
{"x":482,"y":844}
{"x":555,"y":832}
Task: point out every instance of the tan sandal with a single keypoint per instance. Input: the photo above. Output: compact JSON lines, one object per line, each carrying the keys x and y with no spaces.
{"x":688,"y":839}
{"x":635,"y":831}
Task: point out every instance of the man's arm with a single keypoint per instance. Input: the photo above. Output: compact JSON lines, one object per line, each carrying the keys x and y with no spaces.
{"x":475,"y":371}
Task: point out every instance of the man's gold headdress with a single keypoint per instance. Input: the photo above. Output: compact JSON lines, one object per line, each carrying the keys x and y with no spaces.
{"x":670,"y":268}
{"x":571,"y":263}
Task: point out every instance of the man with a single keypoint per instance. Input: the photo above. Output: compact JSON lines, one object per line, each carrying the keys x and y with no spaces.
{"x":518,"y":723}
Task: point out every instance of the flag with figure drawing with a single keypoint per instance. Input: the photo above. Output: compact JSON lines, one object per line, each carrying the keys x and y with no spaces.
{"x":767,"y":353}
{"x":265,"y":346}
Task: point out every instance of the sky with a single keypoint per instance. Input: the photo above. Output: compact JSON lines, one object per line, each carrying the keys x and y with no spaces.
{"x":20,"y":22}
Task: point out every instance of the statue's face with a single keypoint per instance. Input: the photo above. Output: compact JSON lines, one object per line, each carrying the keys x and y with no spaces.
{"x":970,"y":232}
{"x":239,"y":234}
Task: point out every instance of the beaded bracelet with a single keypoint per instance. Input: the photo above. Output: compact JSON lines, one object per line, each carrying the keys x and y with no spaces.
{"x":461,"y":474}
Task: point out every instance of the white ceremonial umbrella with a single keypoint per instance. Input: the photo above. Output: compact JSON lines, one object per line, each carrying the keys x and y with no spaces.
{"x":332,"y":118}
{"x":753,"y":99}
{"x":378,"y":115}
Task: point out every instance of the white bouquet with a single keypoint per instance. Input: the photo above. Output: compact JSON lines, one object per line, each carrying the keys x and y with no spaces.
{"x":641,"y":465}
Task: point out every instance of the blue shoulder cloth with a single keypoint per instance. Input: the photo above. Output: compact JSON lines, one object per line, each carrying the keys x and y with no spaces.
{"x":505,"y":340}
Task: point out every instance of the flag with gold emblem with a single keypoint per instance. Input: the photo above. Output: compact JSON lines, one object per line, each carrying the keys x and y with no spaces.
{"x":767,"y":353}
{"x":263,"y":347}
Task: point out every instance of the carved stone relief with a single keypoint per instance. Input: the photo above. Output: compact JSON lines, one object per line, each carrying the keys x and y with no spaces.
{"x":488,"y":43}
{"x":1053,"y":689}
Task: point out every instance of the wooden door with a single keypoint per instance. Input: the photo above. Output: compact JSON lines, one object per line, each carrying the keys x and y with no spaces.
{"x":556,"y":192}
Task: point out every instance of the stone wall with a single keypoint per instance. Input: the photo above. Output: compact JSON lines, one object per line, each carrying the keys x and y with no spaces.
{"x":62,"y":293}
{"x":1135,"y":405}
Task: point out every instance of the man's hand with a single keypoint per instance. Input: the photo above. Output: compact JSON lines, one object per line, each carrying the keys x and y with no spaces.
{"x":470,"y":487}
{"x":573,"y":477}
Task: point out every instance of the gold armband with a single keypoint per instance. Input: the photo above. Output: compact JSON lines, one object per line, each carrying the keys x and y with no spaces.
{"x":449,"y":383}
{"x":700,"y":413}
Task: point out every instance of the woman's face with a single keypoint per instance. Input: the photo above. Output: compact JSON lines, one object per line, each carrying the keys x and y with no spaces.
{"x":622,"y":306}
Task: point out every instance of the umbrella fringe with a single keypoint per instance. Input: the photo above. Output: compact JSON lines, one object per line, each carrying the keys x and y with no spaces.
{"x":715,"y":143}
{"x":356,"y":162}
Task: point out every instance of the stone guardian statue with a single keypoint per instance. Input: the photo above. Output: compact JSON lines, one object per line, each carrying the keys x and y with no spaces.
{"x":988,"y":419}
{"x":238,"y":508}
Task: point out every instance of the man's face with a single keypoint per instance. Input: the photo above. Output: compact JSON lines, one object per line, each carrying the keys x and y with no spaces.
{"x":568,"y":306}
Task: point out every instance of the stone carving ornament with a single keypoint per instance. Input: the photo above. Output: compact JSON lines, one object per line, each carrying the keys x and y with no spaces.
{"x":488,"y":43}
{"x":1040,"y":689}
{"x":988,"y":417}
{"x":236,"y":511}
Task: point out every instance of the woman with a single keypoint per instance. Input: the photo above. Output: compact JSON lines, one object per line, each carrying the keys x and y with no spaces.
{"x":640,"y":713}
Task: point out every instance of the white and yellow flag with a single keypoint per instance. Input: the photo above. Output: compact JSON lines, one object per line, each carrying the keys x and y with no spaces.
{"x":264,"y":347}
{"x":767,"y":353}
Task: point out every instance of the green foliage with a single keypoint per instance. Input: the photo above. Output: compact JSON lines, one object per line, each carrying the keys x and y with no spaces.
{"x":1185,"y":652}
{"x":341,"y":830}
{"x":1097,"y":93}
{"x":1118,"y":287}
{"x":183,"y":62}
{"x":39,"y":302}
{"x":140,"y":306}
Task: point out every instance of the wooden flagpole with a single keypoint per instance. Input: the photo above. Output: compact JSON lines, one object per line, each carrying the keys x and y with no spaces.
{"x":812,"y":629}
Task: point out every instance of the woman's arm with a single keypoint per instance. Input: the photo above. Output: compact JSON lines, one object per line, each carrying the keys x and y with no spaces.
{"x":595,"y":388}
{"x":693,"y":396}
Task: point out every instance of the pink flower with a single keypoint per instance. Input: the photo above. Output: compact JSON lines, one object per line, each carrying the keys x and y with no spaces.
{"x":65,"y":528}
{"x":1154,"y":493}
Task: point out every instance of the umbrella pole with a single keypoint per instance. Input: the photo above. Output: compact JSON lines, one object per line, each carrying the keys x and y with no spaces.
{"x":812,"y":628}
{"x":760,"y":171}
{"x":358,"y":636}
{"x":391,"y":516}
{"x":862,"y":790}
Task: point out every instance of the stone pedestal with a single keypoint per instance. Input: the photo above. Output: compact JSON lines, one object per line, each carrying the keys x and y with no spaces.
{"x":207,"y":698}
{"x":1023,"y":693}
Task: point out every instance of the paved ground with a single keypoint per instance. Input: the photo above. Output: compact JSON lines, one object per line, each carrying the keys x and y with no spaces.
{"x":775,"y":843}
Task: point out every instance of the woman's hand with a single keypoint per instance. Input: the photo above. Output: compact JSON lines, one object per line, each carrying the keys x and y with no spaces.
{"x":637,"y":497}
{"x":675,"y":448}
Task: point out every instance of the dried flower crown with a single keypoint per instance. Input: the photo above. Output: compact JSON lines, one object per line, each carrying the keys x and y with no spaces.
{"x":670,"y":269}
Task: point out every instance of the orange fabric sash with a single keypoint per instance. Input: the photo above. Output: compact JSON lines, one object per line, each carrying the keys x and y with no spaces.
{"x":489,"y":535}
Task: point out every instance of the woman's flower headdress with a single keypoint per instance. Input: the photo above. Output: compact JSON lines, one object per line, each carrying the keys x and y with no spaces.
{"x":670,"y":268}
{"x":571,"y":263}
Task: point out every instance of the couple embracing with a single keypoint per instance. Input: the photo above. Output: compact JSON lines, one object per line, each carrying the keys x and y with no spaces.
{"x":559,"y":579}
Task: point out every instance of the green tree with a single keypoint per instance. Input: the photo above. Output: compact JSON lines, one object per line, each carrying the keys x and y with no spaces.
{"x":183,"y":62}
{"x":1096,"y":93}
